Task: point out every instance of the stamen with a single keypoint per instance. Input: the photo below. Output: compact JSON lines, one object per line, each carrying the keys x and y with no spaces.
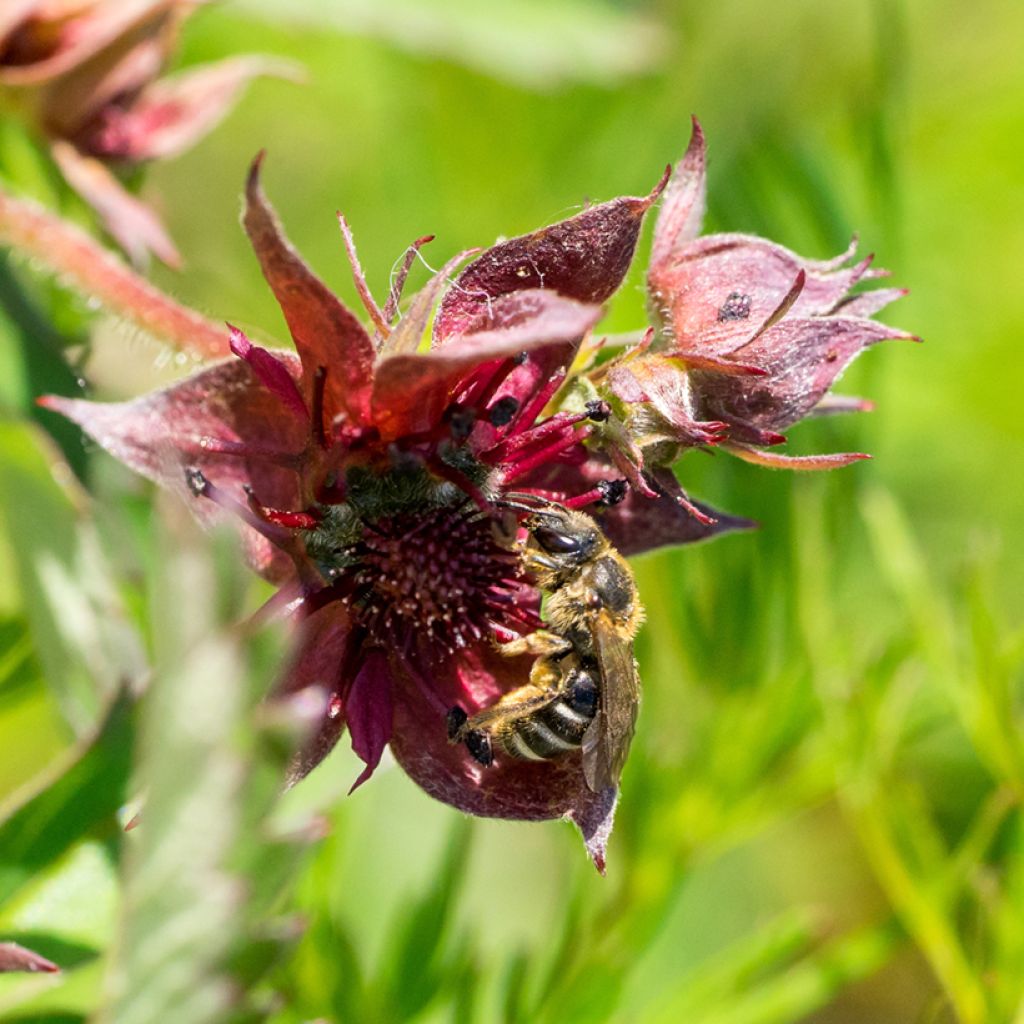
{"x":281,"y":517}
{"x":395,"y":295}
{"x":369,"y":303}
{"x":533,"y":408}
{"x":554,"y":424}
{"x":200,"y":486}
{"x":486,"y":388}
{"x":605,"y":494}
{"x":532,"y":460}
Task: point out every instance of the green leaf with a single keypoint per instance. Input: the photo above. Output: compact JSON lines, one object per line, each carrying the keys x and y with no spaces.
{"x":190,"y":931}
{"x":78,"y":796}
{"x":84,"y":641}
{"x":420,"y":954}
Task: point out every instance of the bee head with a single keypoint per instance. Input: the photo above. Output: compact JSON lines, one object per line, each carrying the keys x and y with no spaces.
{"x":563,"y":540}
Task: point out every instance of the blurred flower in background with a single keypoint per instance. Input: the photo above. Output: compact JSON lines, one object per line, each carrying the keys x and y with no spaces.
{"x":88,"y":74}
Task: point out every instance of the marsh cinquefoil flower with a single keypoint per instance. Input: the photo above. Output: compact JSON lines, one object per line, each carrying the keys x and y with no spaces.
{"x":367,"y":472}
{"x":87,"y":74}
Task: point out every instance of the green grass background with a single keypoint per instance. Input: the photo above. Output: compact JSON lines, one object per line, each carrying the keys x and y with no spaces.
{"x":821,"y":818}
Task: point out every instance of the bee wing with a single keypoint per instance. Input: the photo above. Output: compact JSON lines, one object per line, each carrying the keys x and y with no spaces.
{"x":606,"y":741}
{"x":513,"y":705}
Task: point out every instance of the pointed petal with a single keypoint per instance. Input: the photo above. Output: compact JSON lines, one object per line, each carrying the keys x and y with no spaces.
{"x":174,"y":113}
{"x":806,"y":463}
{"x":320,"y":650}
{"x":682,"y":208}
{"x":326,"y":333}
{"x":718,"y":364}
{"x":409,"y":331}
{"x":272,"y":373}
{"x":369,"y":710}
{"x":509,"y":788}
{"x":17,"y":958}
{"x":719,"y":291}
{"x":359,"y":278}
{"x":832,"y":405}
{"x":130,"y":222}
{"x":804,"y":358}
{"x":411,"y":391}
{"x":641,"y":524}
{"x":867,"y":304}
{"x":594,"y":817}
{"x":637,"y":524}
{"x":583,"y":258}
{"x":401,"y":273}
{"x":162,"y":433}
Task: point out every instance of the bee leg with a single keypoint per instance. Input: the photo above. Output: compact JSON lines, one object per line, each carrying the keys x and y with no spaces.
{"x":540,"y":643}
{"x":546,"y":674}
{"x":478,"y":743}
{"x":479,"y":746}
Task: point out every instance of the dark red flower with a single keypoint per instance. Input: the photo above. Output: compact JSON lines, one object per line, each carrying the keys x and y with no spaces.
{"x":87,"y":73}
{"x":366,"y":471}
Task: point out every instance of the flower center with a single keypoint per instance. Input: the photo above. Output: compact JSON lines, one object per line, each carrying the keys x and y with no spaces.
{"x":433,"y":582}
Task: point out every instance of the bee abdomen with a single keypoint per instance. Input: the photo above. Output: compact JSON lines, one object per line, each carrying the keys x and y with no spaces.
{"x":560,"y":726}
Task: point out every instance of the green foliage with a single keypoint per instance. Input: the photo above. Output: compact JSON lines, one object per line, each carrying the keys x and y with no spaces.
{"x":86,"y":646}
{"x":822,"y":814}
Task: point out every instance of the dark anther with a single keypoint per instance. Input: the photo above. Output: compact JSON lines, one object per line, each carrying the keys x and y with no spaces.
{"x":460,"y":422}
{"x":520,"y":358}
{"x":598,"y":410}
{"x":456,"y":719}
{"x":500,"y":414}
{"x":736,"y":307}
{"x":612,"y":492}
{"x":195,"y":481}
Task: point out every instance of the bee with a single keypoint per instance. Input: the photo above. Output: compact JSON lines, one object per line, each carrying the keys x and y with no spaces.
{"x":584,"y":691}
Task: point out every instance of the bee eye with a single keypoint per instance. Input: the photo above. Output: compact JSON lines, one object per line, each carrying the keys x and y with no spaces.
{"x":556,"y":542}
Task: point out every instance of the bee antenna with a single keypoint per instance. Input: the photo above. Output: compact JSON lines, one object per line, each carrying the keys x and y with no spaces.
{"x":516,"y":505}
{"x":527,"y":496}
{"x":534,"y":504}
